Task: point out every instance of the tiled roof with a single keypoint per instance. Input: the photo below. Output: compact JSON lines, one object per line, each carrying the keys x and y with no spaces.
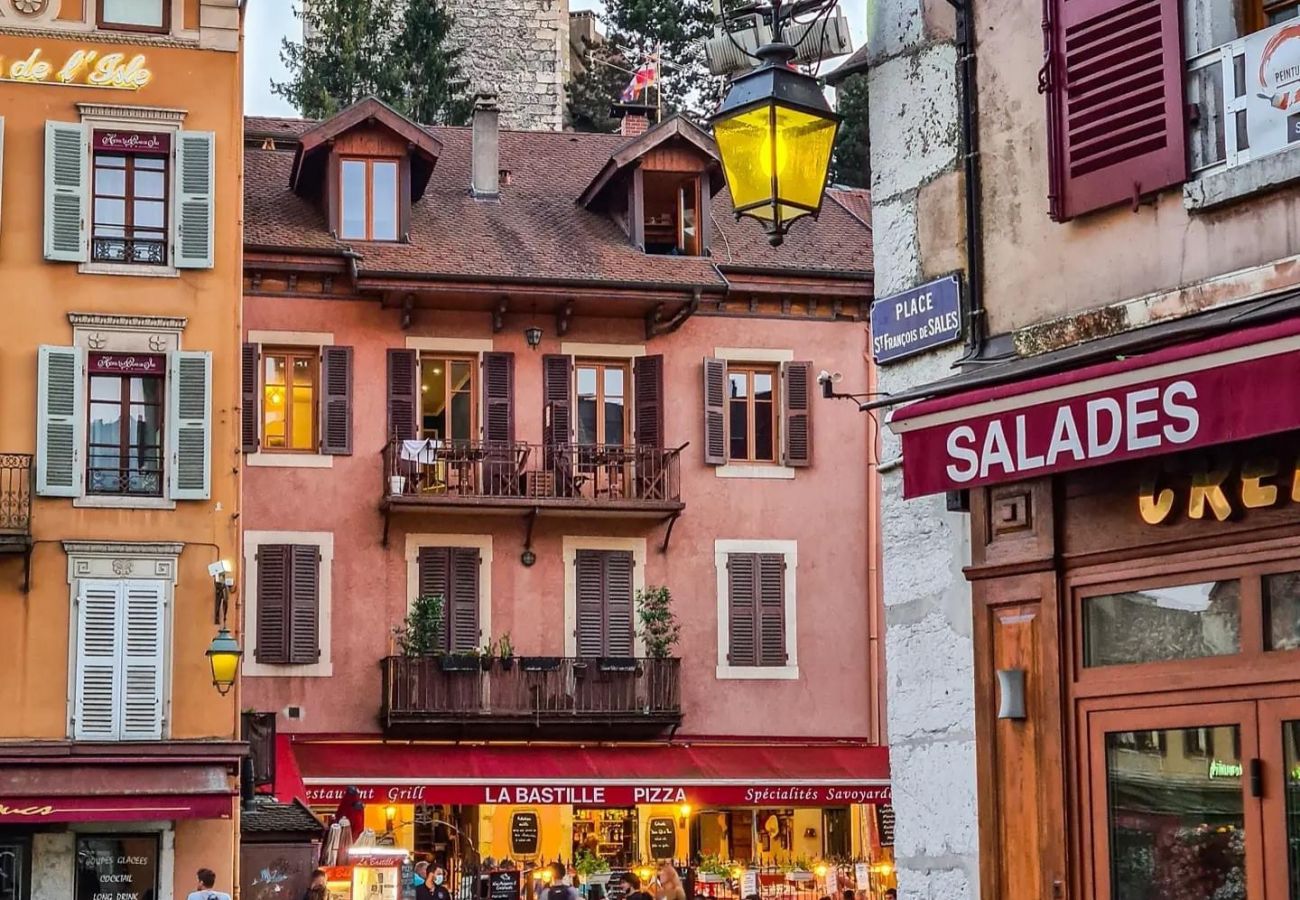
{"x":850,"y":67}
{"x":858,"y":203}
{"x":268,"y":817}
{"x":536,"y":231}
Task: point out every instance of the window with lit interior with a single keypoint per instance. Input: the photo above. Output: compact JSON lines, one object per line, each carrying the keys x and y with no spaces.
{"x":289,"y":400}
{"x":672,"y":214}
{"x":447,"y":398}
{"x":369,"y":208}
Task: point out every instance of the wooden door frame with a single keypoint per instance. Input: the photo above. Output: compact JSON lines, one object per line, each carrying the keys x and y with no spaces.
{"x":1273,"y":713}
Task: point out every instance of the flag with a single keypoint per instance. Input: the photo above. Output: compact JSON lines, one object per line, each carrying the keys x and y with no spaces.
{"x":642,"y":79}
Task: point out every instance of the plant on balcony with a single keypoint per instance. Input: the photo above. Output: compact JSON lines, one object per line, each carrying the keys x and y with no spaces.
{"x":660,"y":629}
{"x":419,"y":634}
{"x":462,"y":661}
{"x":506,"y":650}
{"x":712,"y":869}
{"x":485,"y":656}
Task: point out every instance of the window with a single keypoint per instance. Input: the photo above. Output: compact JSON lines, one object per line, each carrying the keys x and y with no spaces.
{"x":119,"y":659}
{"x":135,"y":15}
{"x":756,"y":608}
{"x":1188,"y":621}
{"x":129,"y":204}
{"x":369,"y":199}
{"x":125,"y":433}
{"x":289,"y":399}
{"x":15,"y":863}
{"x":288,"y":604}
{"x":602,"y":403}
{"x":672,"y":214}
{"x":604,"y":603}
{"x":1265,"y":13}
{"x":448,"y":401}
{"x":751,"y":414}
{"x":116,"y":865}
{"x":453,"y":573}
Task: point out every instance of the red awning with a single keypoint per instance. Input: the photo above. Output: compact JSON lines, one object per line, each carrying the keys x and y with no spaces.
{"x":47,"y":792}
{"x":91,"y":808}
{"x":1178,"y":398}
{"x":809,"y":773}
{"x":288,"y":785}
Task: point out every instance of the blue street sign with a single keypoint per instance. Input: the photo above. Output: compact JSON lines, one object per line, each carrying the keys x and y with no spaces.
{"x":914,"y":321}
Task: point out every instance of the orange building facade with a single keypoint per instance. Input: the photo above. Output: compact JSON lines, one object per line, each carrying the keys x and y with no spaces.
{"x":120,"y":173}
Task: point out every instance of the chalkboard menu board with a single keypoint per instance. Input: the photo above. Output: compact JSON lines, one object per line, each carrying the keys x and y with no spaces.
{"x":504,"y":884}
{"x":885,"y":825}
{"x":615,"y":889}
{"x":525,"y":834}
{"x":117,"y":867}
{"x":663,"y":838}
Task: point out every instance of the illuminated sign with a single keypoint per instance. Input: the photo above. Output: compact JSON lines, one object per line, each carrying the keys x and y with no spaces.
{"x":1217,"y":489}
{"x":82,"y":68}
{"x":1220,"y":769}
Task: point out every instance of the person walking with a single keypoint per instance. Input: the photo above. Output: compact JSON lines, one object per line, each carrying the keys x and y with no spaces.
{"x":207,"y":878}
{"x":668,"y":884}
{"x":317,"y":890}
{"x":421,"y":879}
{"x":437,"y":887}
{"x":632,"y":887}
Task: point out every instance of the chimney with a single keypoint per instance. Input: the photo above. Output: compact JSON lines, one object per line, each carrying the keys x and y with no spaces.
{"x":486,"y":151}
{"x":635,"y":124}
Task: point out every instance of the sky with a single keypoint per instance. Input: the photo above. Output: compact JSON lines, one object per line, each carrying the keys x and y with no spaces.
{"x":270,"y":21}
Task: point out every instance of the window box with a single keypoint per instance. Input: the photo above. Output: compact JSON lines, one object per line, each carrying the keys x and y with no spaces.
{"x":618,"y":664}
{"x":540,"y":663}
{"x":458,"y":662}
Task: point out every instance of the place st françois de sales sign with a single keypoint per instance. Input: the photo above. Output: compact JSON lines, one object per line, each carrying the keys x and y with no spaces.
{"x":915,"y":321}
{"x":83,"y":67}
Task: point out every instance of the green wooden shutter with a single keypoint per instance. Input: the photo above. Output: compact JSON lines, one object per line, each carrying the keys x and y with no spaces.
{"x":193,"y":220}
{"x":189,"y":411}
{"x":67,"y":192}
{"x":60,"y":422}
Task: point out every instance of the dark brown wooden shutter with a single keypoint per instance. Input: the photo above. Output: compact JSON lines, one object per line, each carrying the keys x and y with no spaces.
{"x":499,"y":396}
{"x":435,"y":580}
{"x":250,"y":410}
{"x":304,"y":604}
{"x":1116,"y":117}
{"x":620,"y":630}
{"x":771,"y":609}
{"x":462,"y":609}
{"x":336,"y":401}
{"x":403,"y":394}
{"x":590,"y":581}
{"x":648,"y":388}
{"x":796,"y":407}
{"x":272,"y":604}
{"x":557,"y":422}
{"x":715,"y":412}
{"x":742,"y":609}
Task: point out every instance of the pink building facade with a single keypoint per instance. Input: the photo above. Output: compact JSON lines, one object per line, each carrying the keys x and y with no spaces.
{"x":548,"y":377}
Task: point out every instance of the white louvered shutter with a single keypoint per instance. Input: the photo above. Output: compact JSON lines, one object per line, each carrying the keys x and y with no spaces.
{"x":189,"y":430}
{"x":97,"y":702}
{"x":143,"y":631}
{"x":60,"y":422}
{"x":193,"y":221}
{"x":67,"y":192}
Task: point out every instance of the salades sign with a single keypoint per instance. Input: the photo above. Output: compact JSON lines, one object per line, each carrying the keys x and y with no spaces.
{"x":605,"y":795}
{"x":1126,"y":410}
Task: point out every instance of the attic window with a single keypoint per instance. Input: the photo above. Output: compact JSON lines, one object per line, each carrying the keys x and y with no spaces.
{"x":672,"y":214}
{"x":368,"y":195}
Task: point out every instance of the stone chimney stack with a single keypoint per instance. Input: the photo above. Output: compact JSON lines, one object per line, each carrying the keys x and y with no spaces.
{"x":486,"y":150}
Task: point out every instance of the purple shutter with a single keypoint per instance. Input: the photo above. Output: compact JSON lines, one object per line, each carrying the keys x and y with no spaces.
{"x":402,"y":394}
{"x":434,"y":565}
{"x":771,"y":609}
{"x":250,"y":410}
{"x":499,"y":395}
{"x":742,"y":609}
{"x":620,"y":630}
{"x":591,"y":621}
{"x":1114,"y":85}
{"x":336,"y":401}
{"x":304,"y":604}
{"x":796,"y":407}
{"x":648,"y":390}
{"x":462,"y":605}
{"x":715,"y":412}
{"x":557,"y":374}
{"x":273,"y":603}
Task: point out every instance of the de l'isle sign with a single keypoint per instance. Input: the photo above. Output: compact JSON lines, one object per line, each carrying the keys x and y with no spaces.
{"x":80,"y":68}
{"x":914,"y":321}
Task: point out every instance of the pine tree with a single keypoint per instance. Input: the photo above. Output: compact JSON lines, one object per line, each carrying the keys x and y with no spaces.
{"x":591,"y":93}
{"x":851,"y":164}
{"x":359,"y":48}
{"x":678,"y":29}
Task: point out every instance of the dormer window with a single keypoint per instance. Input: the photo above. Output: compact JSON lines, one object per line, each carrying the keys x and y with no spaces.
{"x":672,"y":213}
{"x":369,"y":208}
{"x":134,"y":15}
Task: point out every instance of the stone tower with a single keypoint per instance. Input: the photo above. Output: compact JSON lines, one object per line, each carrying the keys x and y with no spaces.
{"x":517,"y":49}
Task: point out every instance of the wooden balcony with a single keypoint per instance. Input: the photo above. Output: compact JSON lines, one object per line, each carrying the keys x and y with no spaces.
{"x":570,"y":479}
{"x":431,"y":696}
{"x":16,"y":490}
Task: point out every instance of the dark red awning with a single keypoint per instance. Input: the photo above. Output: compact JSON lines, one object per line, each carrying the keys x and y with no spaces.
{"x":82,"y":792}
{"x":1183,"y":397}
{"x":705,"y":772}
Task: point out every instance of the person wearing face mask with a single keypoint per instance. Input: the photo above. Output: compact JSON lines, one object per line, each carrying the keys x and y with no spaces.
{"x":437,"y":887}
{"x":421,"y":880}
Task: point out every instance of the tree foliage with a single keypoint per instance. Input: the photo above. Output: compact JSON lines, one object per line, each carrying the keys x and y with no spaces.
{"x":590,"y":94}
{"x":360,"y":48}
{"x":851,"y":164}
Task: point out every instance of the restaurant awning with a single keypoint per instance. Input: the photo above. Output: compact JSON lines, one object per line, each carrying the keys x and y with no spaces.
{"x":117,"y":793}
{"x":1136,"y":404}
{"x":786,"y":773}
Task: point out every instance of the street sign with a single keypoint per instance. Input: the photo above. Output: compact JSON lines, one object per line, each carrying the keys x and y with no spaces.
{"x":915,"y":321}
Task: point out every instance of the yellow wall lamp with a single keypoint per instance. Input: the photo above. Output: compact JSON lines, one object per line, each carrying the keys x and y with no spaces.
{"x":224,"y":652}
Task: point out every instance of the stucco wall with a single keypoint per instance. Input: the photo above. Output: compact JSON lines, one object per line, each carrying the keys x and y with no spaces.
{"x":917,"y":213}
{"x":822,"y":508}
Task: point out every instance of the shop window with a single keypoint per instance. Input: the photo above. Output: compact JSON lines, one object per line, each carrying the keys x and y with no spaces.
{"x":15,"y":864}
{"x":1189,"y":621}
{"x":607,"y":834}
{"x":1282,"y":611}
{"x":116,"y":865}
{"x":288,"y":604}
{"x":448,"y":399}
{"x":757,"y":413}
{"x":120,"y":660}
{"x":125,"y":430}
{"x":672,"y":214}
{"x":368,"y":192}
{"x":289,"y":400}
{"x":604,"y":586}
{"x":135,"y":15}
{"x":129,"y":207}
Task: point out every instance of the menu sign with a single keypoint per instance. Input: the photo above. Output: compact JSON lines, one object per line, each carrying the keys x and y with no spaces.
{"x":127,"y":364}
{"x":113,"y":867}
{"x":885,"y":825}
{"x":663,"y":838}
{"x":504,"y":885}
{"x":525,"y":833}
{"x":132,"y":141}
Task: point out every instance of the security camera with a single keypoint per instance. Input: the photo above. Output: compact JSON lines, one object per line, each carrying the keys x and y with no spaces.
{"x":830,"y":377}
{"x":220,"y":568}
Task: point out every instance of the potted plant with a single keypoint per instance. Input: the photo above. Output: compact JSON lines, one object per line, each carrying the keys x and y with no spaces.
{"x":588,"y":864}
{"x":506,"y":651}
{"x":712,"y":870}
{"x":660,"y":630}
{"x":462,"y":661}
{"x":421,"y":630}
{"x":485,"y":656}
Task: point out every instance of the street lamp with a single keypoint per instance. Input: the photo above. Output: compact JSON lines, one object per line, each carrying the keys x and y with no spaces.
{"x":223,"y":655}
{"x":775,"y":133}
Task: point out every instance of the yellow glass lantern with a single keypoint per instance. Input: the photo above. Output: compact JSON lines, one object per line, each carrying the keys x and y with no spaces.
{"x":223,"y":655}
{"x":776,"y":133}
